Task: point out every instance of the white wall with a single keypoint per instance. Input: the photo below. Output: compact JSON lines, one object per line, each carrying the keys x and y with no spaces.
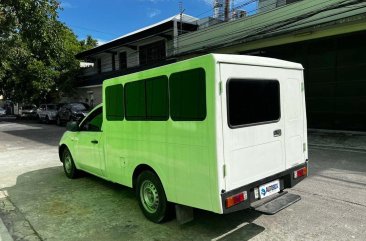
{"x":91,"y":93}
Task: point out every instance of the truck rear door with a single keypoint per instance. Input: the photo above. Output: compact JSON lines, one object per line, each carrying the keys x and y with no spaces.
{"x":253,"y":123}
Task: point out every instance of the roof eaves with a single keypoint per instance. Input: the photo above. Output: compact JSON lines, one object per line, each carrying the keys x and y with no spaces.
{"x":186,"y":19}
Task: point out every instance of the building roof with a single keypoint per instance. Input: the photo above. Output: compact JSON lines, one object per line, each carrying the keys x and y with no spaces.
{"x":279,"y":21}
{"x":188,"y":23}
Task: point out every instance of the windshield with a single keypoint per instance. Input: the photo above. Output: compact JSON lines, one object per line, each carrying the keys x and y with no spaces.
{"x":51,"y":107}
{"x":28,"y":107}
{"x":79,"y":106}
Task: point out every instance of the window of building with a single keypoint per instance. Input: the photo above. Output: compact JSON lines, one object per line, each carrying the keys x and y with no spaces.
{"x":99,"y":65}
{"x":122,"y":60}
{"x":152,"y":53}
{"x":114,"y":102}
{"x":147,"y":99}
{"x":188,"y":95}
{"x":113,"y":61}
{"x":253,"y":102}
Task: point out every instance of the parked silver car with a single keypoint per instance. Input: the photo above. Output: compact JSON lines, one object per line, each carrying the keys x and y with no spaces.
{"x":47,"y":112}
{"x":28,"y":111}
{"x":2,"y":112}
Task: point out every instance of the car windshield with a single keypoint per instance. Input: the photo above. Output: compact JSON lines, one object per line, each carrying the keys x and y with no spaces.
{"x":79,"y":106}
{"x":28,"y":107}
{"x":51,"y":107}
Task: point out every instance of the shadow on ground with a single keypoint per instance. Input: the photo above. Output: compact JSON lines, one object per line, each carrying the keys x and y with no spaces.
{"x":32,"y":130}
{"x":90,"y":208}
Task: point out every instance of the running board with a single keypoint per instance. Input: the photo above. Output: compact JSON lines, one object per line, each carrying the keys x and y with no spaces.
{"x":276,"y":204}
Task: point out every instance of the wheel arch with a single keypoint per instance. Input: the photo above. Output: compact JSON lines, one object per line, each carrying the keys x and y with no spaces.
{"x":61,"y":149}
{"x":139,"y":169}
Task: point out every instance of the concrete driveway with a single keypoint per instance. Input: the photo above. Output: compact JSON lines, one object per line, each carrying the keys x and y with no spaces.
{"x":37,"y":202}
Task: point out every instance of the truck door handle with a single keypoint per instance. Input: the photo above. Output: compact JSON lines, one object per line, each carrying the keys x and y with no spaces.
{"x":94,"y":141}
{"x":277,"y":133}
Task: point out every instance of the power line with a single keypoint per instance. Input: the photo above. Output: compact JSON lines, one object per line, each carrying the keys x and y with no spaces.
{"x":230,"y":34}
{"x":263,"y":28}
{"x":93,"y":30}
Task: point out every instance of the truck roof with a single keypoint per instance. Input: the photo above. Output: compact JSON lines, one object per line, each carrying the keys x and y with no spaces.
{"x":256,"y":60}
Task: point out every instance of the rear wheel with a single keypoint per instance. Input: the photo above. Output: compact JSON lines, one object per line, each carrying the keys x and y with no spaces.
{"x":152,"y":199}
{"x":69,"y":165}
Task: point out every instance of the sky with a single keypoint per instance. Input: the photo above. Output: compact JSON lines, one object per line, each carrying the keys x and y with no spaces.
{"x":105,"y":20}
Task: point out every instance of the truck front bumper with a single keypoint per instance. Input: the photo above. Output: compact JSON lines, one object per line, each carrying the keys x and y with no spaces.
{"x":286,"y":178}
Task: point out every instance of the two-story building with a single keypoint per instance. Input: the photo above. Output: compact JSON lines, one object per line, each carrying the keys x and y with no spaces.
{"x":145,"y":48}
{"x":327,"y":37}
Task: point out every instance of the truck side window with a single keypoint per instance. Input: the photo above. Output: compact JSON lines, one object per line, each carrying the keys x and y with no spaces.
{"x":114,"y":102}
{"x":252,"y":102}
{"x":188,"y":95}
{"x":147,"y":99}
{"x":94,"y":121}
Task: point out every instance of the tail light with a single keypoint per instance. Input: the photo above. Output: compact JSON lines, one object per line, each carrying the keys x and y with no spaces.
{"x":238,"y":198}
{"x":301,"y":172}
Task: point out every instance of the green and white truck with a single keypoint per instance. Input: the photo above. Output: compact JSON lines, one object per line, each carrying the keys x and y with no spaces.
{"x":218,"y":132}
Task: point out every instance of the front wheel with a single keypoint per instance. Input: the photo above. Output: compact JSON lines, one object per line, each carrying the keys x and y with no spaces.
{"x":69,"y":165}
{"x":152,"y":199}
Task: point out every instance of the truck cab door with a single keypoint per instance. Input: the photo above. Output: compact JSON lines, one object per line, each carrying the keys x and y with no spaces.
{"x":89,"y":146}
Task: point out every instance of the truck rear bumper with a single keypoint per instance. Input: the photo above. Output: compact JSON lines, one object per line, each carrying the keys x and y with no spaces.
{"x":286,"y":178}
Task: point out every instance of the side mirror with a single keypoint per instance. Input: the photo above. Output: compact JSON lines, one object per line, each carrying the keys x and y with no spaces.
{"x":72,"y":126}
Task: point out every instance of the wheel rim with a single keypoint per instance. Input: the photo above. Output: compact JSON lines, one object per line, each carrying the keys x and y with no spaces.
{"x":149,"y":196}
{"x":68,"y":163}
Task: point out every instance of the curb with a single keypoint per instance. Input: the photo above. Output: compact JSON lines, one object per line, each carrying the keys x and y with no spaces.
{"x":337,"y":148}
{"x":4,"y":233}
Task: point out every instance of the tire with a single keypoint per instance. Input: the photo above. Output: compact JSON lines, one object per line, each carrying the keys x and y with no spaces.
{"x":152,"y":199}
{"x":47,"y":119}
{"x":69,"y":165}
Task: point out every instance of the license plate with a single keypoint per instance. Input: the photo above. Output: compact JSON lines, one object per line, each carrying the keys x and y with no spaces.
{"x":269,"y":189}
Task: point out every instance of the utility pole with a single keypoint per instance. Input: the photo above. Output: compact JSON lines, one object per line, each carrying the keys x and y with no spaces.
{"x":181,"y":11}
{"x":227,"y":10}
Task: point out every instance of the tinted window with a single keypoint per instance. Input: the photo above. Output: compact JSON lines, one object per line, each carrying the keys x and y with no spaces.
{"x":157,"y":98}
{"x":147,"y":99}
{"x":152,"y":53}
{"x":94,"y":121}
{"x":188,"y":95}
{"x":114,"y":102}
{"x":253,"y":101}
{"x":51,"y":107}
{"x":135,"y":100}
{"x":79,"y":106}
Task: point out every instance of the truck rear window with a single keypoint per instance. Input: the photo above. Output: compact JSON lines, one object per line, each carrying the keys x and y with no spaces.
{"x":252,"y":102}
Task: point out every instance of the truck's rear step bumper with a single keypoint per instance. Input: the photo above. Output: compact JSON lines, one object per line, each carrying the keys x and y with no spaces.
{"x":286,"y":178}
{"x":275,"y":204}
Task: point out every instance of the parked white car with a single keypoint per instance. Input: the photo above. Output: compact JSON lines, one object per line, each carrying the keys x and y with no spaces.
{"x":47,"y":112}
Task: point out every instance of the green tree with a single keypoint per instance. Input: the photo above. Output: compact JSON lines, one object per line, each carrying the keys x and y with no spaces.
{"x":37,"y":51}
{"x":88,"y":43}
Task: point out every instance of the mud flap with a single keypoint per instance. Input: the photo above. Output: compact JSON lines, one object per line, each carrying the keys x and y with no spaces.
{"x":184,"y":214}
{"x":276,"y":204}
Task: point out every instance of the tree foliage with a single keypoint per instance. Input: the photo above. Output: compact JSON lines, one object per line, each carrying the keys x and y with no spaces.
{"x":37,"y":51}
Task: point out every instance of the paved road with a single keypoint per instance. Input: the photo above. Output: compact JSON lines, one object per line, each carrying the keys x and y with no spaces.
{"x":37,"y":202}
